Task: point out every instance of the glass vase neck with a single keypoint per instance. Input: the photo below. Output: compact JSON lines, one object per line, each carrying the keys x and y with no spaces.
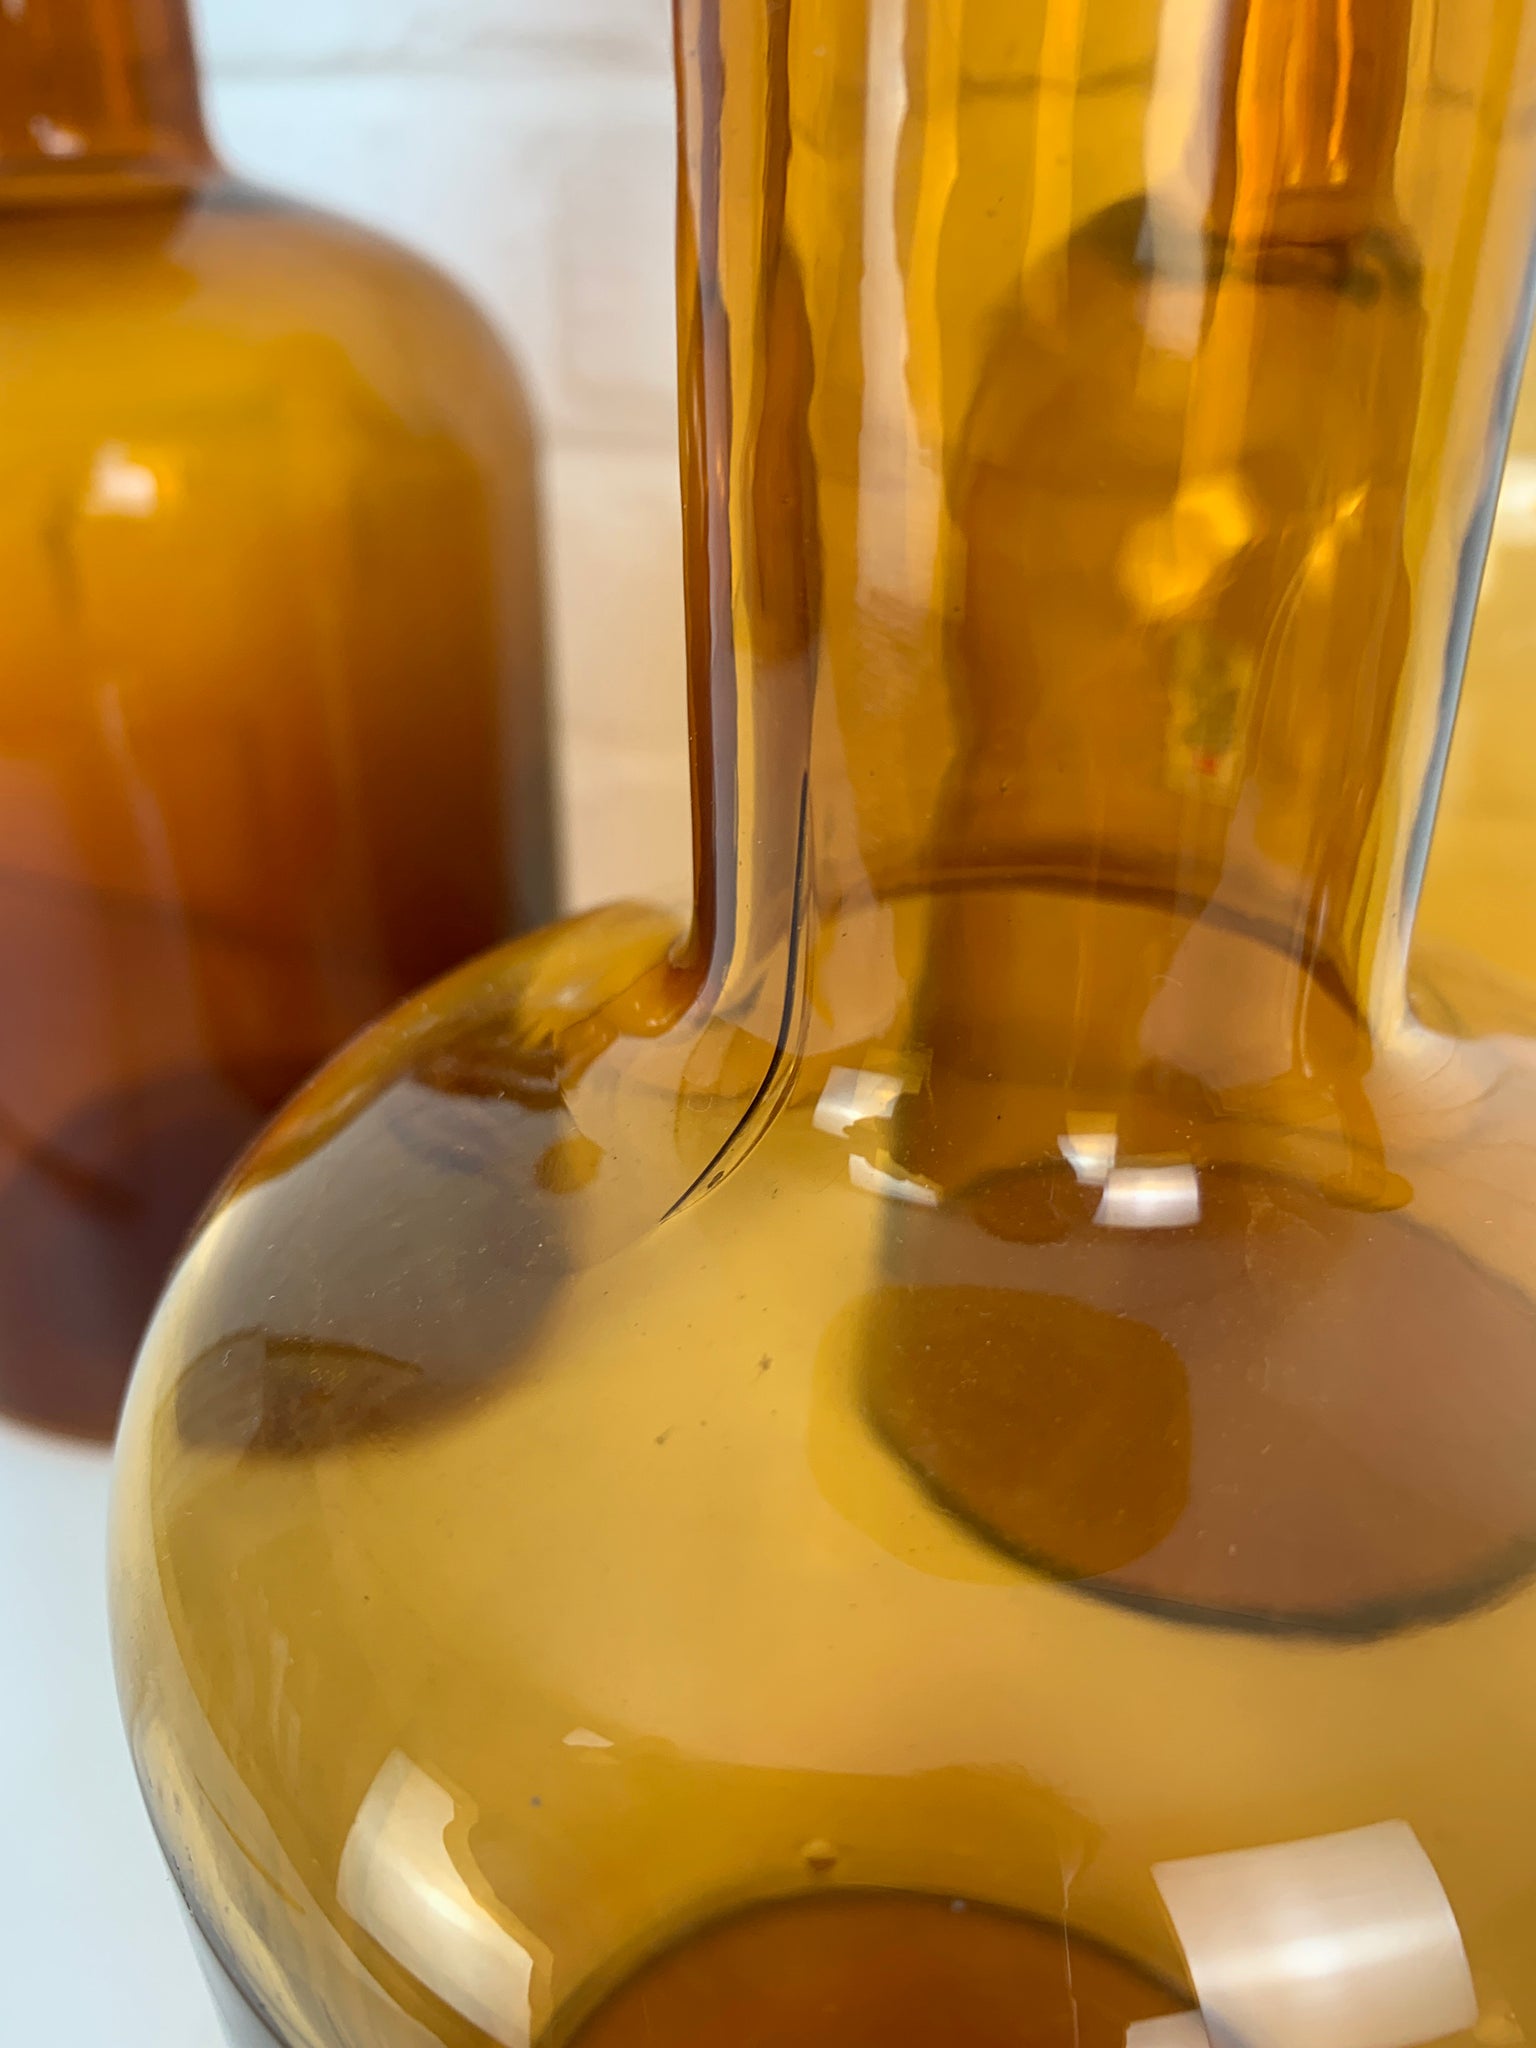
{"x":1054,"y":547}
{"x":92,"y":87}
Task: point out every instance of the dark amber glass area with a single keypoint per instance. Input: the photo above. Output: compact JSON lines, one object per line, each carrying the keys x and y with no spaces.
{"x":1250,"y":1417}
{"x":877,"y":1970}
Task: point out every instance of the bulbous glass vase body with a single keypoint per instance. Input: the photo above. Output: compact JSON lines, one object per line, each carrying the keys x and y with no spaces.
{"x":948,"y":1454}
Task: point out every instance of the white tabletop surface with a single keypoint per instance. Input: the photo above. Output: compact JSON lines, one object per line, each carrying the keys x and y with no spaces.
{"x":92,"y":1950}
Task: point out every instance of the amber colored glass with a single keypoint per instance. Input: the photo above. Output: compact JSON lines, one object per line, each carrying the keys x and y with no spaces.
{"x":272,"y":746}
{"x":950,"y":1453}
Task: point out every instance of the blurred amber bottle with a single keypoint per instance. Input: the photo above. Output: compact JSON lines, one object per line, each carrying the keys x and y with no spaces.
{"x":272,"y":744}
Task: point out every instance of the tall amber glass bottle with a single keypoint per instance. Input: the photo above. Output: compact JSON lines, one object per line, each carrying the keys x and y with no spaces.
{"x":272,"y":744}
{"x":950,"y":1454}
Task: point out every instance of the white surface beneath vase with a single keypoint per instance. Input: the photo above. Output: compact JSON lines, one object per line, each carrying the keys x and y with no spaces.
{"x":92,"y":1949}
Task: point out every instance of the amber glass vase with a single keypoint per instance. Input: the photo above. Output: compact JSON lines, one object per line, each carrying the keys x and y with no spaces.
{"x":272,"y":744}
{"x":949,"y":1454}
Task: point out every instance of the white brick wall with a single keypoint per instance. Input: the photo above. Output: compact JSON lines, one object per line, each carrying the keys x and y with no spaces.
{"x":526,"y":146}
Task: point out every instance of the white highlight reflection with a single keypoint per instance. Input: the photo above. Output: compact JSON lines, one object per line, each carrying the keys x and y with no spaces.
{"x":399,"y":1882}
{"x":53,"y":138}
{"x":1149,"y":1198}
{"x":1514,"y":518}
{"x":900,"y":485}
{"x":1339,"y":1941}
{"x":890,"y":1181}
{"x":1178,"y":2030}
{"x":1090,"y":1154}
{"x":586,"y":1738}
{"x":853,"y":1095}
{"x":119,"y":487}
{"x":1181,"y":142}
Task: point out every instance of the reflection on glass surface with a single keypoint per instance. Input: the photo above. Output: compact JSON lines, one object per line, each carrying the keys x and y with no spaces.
{"x":851,"y":1097}
{"x":1090,"y":1153}
{"x":1149,"y":1197}
{"x":400,"y":1883}
{"x":996,"y":1366}
{"x":1344,"y":1941}
{"x":1176,"y":2030}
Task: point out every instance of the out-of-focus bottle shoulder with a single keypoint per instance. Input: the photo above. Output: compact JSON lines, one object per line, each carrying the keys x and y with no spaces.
{"x":351,"y":276}
{"x":225,"y":276}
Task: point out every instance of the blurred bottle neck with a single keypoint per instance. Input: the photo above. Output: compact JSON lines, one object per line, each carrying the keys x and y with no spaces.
{"x":1312,"y":108}
{"x":99,"y":86}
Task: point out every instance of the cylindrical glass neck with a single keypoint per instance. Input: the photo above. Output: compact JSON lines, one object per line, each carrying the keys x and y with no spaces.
{"x":1310,"y":119}
{"x":92,"y":86}
{"x":1087,"y":407}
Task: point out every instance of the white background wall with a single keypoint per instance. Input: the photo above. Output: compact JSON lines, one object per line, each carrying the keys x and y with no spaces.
{"x":526,"y":146}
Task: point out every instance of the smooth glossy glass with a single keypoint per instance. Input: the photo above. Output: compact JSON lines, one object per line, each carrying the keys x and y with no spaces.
{"x":949,"y":1455}
{"x":1475,"y":932}
{"x":271,"y":716}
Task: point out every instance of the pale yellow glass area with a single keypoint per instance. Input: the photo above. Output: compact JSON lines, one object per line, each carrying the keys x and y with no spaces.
{"x":798,"y":1480}
{"x":1476,"y":926}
